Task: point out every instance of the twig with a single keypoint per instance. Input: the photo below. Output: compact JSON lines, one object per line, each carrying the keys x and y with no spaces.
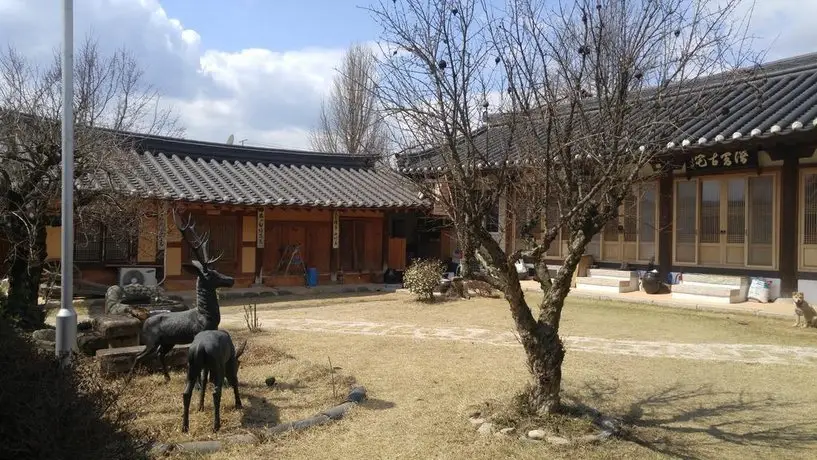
{"x":332,"y":374}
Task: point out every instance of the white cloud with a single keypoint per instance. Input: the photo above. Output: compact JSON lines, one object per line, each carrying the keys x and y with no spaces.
{"x":264,"y":96}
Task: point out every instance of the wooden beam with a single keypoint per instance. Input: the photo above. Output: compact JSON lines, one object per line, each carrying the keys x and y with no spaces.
{"x":789,"y":206}
{"x":665,"y":218}
{"x":796,"y":152}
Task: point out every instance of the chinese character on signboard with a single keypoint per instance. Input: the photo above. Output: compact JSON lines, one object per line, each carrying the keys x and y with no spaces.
{"x":260,"y":229}
{"x":161,"y":220}
{"x":721,"y":160}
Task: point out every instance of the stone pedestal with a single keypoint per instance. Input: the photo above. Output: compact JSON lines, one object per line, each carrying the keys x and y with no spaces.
{"x":118,"y":330}
{"x":113,"y":361}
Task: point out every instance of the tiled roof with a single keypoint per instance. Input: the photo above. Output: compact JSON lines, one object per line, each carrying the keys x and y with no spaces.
{"x":778,"y":100}
{"x":182,"y":170}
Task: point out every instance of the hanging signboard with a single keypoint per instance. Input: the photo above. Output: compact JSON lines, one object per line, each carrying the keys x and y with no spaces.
{"x":722,"y":160}
{"x":335,"y":230}
{"x":161,"y":227}
{"x":260,"y":230}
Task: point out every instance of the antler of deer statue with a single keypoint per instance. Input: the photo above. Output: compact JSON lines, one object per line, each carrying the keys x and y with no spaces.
{"x":162,"y":332}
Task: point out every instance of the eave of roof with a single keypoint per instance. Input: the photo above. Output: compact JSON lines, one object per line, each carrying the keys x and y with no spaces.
{"x":790,"y":94}
{"x":194,"y":171}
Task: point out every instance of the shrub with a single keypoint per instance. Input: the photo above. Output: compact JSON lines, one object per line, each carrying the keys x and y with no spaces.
{"x":422,"y":277}
{"x":49,"y":412}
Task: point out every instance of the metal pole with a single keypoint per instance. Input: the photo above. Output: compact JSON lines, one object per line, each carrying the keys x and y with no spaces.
{"x":67,"y":317}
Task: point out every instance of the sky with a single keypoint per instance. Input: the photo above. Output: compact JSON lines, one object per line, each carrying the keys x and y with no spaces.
{"x":259,"y":69}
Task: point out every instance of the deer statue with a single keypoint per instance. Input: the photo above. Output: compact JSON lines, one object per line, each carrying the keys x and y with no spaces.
{"x":211,"y":352}
{"x":160,"y":333}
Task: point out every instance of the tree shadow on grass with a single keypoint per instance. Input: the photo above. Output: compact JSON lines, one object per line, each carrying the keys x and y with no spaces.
{"x":259,"y":413}
{"x":684,"y":422}
{"x":376,"y":404}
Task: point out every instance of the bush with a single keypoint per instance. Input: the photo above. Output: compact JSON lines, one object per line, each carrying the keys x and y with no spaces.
{"x":49,"y":412}
{"x":422,"y":277}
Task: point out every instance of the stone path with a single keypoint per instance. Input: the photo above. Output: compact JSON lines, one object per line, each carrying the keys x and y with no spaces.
{"x":744,"y":353}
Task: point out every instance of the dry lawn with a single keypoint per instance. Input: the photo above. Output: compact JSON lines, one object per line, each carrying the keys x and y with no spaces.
{"x":421,"y":390}
{"x":302,"y":388}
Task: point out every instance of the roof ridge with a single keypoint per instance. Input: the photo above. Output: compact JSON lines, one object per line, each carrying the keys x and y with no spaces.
{"x":152,"y":145}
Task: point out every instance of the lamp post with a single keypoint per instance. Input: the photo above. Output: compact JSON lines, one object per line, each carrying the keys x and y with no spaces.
{"x":67,"y":316}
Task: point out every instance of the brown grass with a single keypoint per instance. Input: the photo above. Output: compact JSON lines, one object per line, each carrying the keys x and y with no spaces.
{"x":421,"y":392}
{"x":302,"y":389}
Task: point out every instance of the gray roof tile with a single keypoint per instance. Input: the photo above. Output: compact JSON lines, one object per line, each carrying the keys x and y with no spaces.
{"x":779,"y":98}
{"x":183,"y":170}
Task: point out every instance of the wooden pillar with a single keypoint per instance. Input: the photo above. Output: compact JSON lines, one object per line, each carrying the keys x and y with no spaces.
{"x":384,"y":254}
{"x":665,"y":218}
{"x":787,"y":256}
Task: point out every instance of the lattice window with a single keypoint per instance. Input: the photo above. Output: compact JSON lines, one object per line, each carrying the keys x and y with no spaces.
{"x":551,"y":219}
{"x":686,"y":210}
{"x":630,"y":218}
{"x":647,"y":224}
{"x":120,"y":245}
{"x":710,"y":212}
{"x":492,"y":219}
{"x":810,"y":209}
{"x":736,"y":211}
{"x":761,"y":220}
{"x":88,"y":241}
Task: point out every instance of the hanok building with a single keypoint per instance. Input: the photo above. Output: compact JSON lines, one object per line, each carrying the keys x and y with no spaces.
{"x":255,"y":203}
{"x":741,"y":203}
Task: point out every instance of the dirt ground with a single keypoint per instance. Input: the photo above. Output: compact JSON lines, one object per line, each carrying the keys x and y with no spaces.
{"x":689,"y":384}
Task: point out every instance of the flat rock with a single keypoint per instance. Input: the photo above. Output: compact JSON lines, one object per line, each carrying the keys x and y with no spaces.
{"x":507,"y":431}
{"x":200,"y":447}
{"x":116,"y":326}
{"x":537,"y":434}
{"x":160,"y":449}
{"x":557,"y":440}
{"x":90,"y":342}
{"x":589,"y":439}
{"x":486,"y":428}
{"x":477,"y":420}
{"x":114,"y":361}
{"x":245,"y":438}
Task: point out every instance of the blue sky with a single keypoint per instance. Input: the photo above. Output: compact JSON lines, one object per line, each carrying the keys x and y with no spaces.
{"x":259,"y":69}
{"x":276,"y":25}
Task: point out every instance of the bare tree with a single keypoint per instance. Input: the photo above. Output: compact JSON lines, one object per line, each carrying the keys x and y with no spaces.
{"x":110,"y":99}
{"x":350,"y":121}
{"x":590,"y":93}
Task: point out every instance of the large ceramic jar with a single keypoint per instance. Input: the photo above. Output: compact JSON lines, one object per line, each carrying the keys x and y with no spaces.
{"x":651,"y":282}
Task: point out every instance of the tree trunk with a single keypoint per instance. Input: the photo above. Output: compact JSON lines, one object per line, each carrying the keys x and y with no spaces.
{"x":543,"y":349}
{"x":540,"y":337}
{"x":545,"y":356}
{"x":27,"y":256}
